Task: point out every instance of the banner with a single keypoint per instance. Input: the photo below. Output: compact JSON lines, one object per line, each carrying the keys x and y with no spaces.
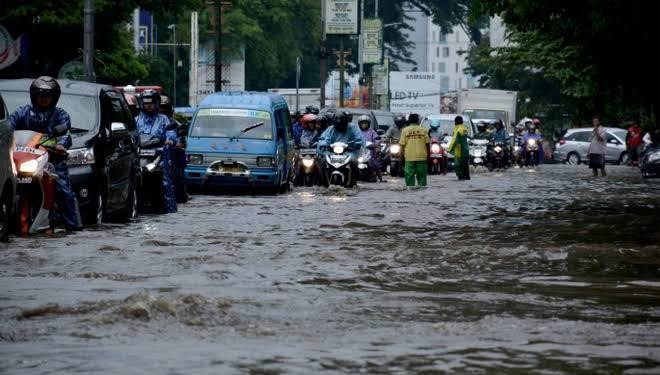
{"x":372,"y":41}
{"x":10,"y":50}
{"x":417,"y":92}
{"x":341,"y":16}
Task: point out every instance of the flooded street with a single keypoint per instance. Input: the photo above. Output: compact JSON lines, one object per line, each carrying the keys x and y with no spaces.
{"x":542,"y":271}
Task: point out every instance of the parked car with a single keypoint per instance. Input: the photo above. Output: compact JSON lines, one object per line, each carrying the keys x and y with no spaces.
{"x":7,"y":174}
{"x":103,"y":160}
{"x":240,"y":140}
{"x":446,"y":121}
{"x":573,"y":146}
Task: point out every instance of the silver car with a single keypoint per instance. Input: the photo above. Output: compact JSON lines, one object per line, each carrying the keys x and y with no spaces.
{"x":573,"y":146}
{"x":7,"y":175}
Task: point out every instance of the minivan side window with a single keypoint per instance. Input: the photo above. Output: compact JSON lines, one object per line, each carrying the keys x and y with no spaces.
{"x":611,"y":139}
{"x":2,"y":109}
{"x":283,"y":119}
{"x":579,"y":137}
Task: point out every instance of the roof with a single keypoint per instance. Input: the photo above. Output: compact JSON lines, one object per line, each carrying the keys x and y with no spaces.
{"x":243,"y":99}
{"x":68,"y":86}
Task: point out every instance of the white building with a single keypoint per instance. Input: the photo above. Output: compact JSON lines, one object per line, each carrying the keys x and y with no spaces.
{"x":440,"y":53}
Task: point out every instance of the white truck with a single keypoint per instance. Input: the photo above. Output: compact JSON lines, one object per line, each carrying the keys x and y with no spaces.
{"x":489,"y":105}
{"x":305,"y":97}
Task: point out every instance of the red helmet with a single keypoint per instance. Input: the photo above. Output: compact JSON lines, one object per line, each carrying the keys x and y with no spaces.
{"x":536,"y":121}
{"x":307,"y":120}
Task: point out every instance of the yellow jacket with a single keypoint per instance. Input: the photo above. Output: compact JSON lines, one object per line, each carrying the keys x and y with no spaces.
{"x":414,"y":140}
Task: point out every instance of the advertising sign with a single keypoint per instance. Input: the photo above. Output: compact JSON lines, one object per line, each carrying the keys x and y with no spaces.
{"x":380,"y":78}
{"x":341,"y":16}
{"x":372,"y":41}
{"x":10,"y":49}
{"x":417,"y":92}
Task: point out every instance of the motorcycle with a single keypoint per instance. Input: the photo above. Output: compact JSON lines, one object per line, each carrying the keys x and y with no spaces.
{"x":516,"y":152}
{"x":396,"y":160}
{"x":650,"y":161}
{"x":532,"y":152}
{"x":365,"y":171}
{"x":438,"y":158}
{"x":35,"y":178}
{"x":306,"y":166}
{"x":496,"y":155}
{"x":338,"y":169}
{"x":155,"y":160}
{"x":478,"y":152}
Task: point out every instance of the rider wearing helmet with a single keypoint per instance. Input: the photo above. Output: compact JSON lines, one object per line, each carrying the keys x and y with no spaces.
{"x":309,"y":131}
{"x":370,"y":135}
{"x":341,"y":131}
{"x":312,"y":109}
{"x":43,"y":116}
{"x":481,"y":131}
{"x":180,"y":161}
{"x":149,"y":121}
{"x":500,"y":135}
{"x":393,"y":134}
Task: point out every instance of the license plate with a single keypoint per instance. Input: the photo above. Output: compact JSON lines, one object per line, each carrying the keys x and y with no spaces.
{"x":232,"y":168}
{"x":436,"y":155}
{"x":336,"y":159}
{"x":24,"y":180}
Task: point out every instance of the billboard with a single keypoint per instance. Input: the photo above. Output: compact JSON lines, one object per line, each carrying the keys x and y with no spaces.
{"x":418,"y":92}
{"x":341,"y":16}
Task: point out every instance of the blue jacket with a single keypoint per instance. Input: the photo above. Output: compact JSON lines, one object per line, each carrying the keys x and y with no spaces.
{"x":500,"y":136}
{"x":156,"y":125}
{"x":29,"y":118}
{"x":297,"y":132}
{"x":352,"y":137}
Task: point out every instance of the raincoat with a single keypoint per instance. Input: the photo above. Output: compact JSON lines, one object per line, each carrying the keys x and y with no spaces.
{"x":352,"y":137}
{"x":156,"y":125}
{"x":308,"y":137}
{"x":461,"y":151}
{"x":392,"y":134}
{"x":28,"y":117}
{"x":370,"y":135}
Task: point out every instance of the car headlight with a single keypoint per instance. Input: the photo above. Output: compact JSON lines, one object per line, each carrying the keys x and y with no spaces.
{"x":395,"y":149}
{"x":265,"y":162}
{"x":29,"y":166}
{"x":435,"y":148}
{"x":498,"y":149}
{"x":81,"y":156}
{"x":531,"y":142}
{"x":195,"y":159}
{"x":338,"y":149}
{"x":308,"y":162}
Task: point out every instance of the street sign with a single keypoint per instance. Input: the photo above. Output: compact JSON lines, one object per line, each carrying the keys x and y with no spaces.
{"x":372,"y":41}
{"x":381,"y":78}
{"x":341,"y":16}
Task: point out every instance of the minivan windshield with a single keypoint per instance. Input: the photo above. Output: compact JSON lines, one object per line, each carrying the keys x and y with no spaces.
{"x":227,"y":123}
{"x":82,"y":109}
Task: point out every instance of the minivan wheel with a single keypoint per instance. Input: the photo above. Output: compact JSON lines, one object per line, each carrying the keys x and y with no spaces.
{"x":95,"y":214}
{"x":130,"y":212}
{"x":5,"y":213}
{"x":573,"y":158}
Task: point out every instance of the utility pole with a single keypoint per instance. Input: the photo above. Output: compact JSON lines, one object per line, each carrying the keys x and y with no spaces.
{"x":194,"y":59}
{"x":218,"y":47}
{"x":298,"y":67}
{"x":360,"y":60}
{"x":88,"y":41}
{"x":322,"y":55}
{"x":173,"y":27}
{"x":342,"y":61}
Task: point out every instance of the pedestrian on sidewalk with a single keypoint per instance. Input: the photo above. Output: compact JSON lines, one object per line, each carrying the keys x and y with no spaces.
{"x":415,"y":141}
{"x":460,"y":149}
{"x":597,"y":147}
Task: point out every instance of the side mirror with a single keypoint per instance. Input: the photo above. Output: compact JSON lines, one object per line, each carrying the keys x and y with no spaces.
{"x":380,"y":131}
{"x":60,"y":130}
{"x":280,"y":133}
{"x":118,"y":130}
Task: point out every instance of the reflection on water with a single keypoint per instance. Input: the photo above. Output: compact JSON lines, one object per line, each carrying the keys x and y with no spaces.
{"x":546,"y":270}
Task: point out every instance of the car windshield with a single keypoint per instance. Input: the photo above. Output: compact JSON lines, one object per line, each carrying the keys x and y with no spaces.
{"x":385,"y":120}
{"x":620,"y":133}
{"x":485,"y":114}
{"x":226,"y":123}
{"x":445,"y":126}
{"x":82,"y":109}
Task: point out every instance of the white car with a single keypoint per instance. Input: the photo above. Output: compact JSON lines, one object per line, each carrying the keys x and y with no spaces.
{"x":7,"y":174}
{"x":573,"y":146}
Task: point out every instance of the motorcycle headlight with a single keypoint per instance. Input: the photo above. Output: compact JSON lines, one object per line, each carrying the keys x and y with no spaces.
{"x":81,"y":156}
{"x":531,"y":142}
{"x":435,"y":148}
{"x":516,"y":148}
{"x":195,"y":159}
{"x":308,"y":162}
{"x":361,"y":159}
{"x":151,"y":166}
{"x":29,"y":166}
{"x":498,"y":149}
{"x":338,"y":149}
{"x":395,"y":149}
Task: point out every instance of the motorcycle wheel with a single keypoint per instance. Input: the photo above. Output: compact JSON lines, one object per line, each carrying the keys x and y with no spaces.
{"x":5,"y":216}
{"x":309,"y":180}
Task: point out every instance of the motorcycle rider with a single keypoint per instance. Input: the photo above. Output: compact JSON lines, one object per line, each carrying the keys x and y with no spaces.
{"x":180,"y":160}
{"x":309,"y":131}
{"x":149,"y":121}
{"x":532,"y":134}
{"x":501,"y":137}
{"x":370,"y":135}
{"x":481,"y":131}
{"x":341,"y":131}
{"x":43,"y":116}
{"x":296,"y":128}
{"x":393,"y":134}
{"x":434,"y":130}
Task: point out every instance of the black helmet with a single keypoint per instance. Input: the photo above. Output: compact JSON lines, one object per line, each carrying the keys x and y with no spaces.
{"x":312,"y":109}
{"x":45,"y":85}
{"x":149,"y":96}
{"x":481,"y":126}
{"x":166,"y":107}
{"x":341,"y":121}
{"x":399,"y":121}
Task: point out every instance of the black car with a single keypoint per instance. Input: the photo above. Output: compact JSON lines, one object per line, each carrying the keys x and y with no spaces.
{"x":103,"y":160}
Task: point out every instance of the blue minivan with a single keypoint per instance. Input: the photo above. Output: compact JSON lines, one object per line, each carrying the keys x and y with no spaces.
{"x":240,"y":140}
